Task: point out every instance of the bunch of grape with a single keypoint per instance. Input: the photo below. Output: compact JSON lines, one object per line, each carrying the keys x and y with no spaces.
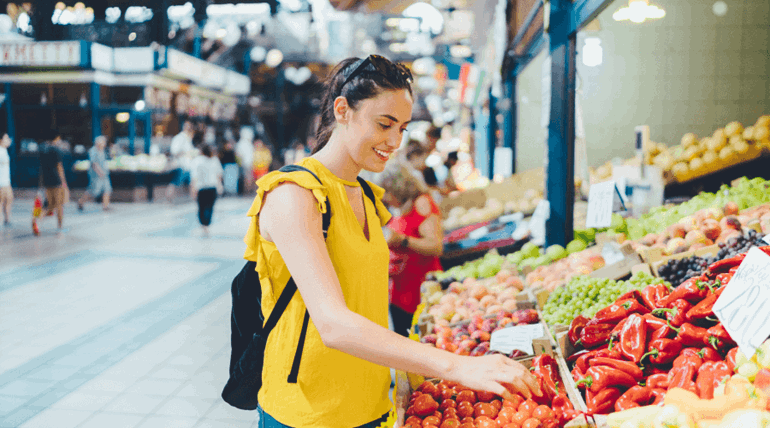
{"x":585,"y":296}
{"x":678,"y":271}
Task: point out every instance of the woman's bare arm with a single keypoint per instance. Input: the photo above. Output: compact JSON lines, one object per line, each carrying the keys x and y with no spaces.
{"x":291,"y":220}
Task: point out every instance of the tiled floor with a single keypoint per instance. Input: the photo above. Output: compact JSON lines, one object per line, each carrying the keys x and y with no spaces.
{"x":122,"y":320}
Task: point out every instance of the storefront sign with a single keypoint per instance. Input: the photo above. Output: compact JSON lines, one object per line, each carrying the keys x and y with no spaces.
{"x":31,"y":54}
{"x":134,"y":59}
{"x":101,"y":57}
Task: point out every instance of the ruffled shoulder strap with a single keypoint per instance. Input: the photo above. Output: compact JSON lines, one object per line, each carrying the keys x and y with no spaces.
{"x":266,"y":184}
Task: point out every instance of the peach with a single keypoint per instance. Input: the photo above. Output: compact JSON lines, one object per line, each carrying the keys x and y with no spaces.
{"x":515,"y":281}
{"x":727,"y":234}
{"x":493,"y":309}
{"x":677,"y":230}
{"x":711,"y":229}
{"x":689,"y":223}
{"x":676,"y":245}
{"x":730,"y":222}
{"x":730,"y":208}
{"x":649,"y":239}
{"x":503,"y":275}
{"x":694,"y":236}
{"x":716,"y":213}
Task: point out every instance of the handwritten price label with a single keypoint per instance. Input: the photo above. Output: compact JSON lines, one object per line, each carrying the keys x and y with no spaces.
{"x":744,"y":306}
{"x":519,"y":337}
{"x":601,"y":201}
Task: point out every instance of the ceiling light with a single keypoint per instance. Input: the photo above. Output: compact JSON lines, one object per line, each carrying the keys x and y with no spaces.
{"x":131,"y":36}
{"x":638,"y":11}
{"x":139,"y":105}
{"x":122,"y":117}
{"x":719,"y":8}
{"x":274,"y":58}
{"x":258,"y":54}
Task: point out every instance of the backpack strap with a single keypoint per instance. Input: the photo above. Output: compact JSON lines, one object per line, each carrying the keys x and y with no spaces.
{"x":368,"y":192}
{"x":326,"y":218}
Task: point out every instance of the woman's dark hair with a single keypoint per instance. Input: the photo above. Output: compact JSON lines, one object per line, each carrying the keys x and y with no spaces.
{"x":207,"y":150}
{"x":367,"y":84}
{"x":451,"y":159}
{"x":433,"y":132}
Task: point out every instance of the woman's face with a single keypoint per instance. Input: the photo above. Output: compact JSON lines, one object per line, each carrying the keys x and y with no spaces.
{"x":375,"y":128}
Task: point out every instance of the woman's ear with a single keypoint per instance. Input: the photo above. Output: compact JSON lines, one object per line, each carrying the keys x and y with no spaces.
{"x":341,"y":110}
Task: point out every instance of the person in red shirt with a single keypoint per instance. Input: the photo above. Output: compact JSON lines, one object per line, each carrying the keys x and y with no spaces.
{"x":417,"y":238}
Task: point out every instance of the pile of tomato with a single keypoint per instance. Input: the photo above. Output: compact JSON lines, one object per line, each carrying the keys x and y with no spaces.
{"x":450,"y":405}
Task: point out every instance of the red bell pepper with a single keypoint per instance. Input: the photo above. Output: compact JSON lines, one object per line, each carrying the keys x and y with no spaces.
{"x":708,"y":354}
{"x":733,"y":270}
{"x":582,"y":361}
{"x":653,"y":322}
{"x":663,"y":351}
{"x":576,"y":327}
{"x":682,"y":374}
{"x":595,"y":334}
{"x":659,"y":380}
{"x":547,"y":367}
{"x":658,"y":395}
{"x":677,"y":314}
{"x":636,"y":396}
{"x":633,"y":338}
{"x":602,"y":402}
{"x":563,"y":409}
{"x":601,"y":377}
{"x":692,"y":290}
{"x":633,"y":295}
{"x":710,"y":375}
{"x":691,"y":335}
{"x":548,"y":391}
{"x":626,"y":366}
{"x":572,"y":358}
{"x":612,"y":351}
{"x":577,"y":374}
{"x":725,"y":265}
{"x":719,"y":338}
{"x":703,"y":309}
{"x":653,"y":293}
{"x":730,"y":358}
{"x":665,"y":332}
{"x":724,"y":278}
{"x":619,"y":310}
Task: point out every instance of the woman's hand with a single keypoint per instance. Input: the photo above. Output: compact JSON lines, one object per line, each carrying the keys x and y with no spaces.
{"x":495,"y":373}
{"x":395,"y":239}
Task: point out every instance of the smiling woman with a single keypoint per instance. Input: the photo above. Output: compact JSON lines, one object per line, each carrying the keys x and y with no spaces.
{"x":326,"y":360}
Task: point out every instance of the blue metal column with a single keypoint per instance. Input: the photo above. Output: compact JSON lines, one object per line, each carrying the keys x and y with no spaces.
{"x":147,"y":131}
{"x":509,"y":116}
{"x":131,"y":132}
{"x":492,"y":134}
{"x":560,"y":176}
{"x":13,"y":153}
{"x":481,"y":157}
{"x":96,"y":122}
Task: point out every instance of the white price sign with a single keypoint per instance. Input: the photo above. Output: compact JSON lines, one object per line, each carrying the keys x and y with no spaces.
{"x":602,"y":201}
{"x":744,"y":306}
{"x":612,"y":254}
{"x":519,"y":337}
{"x":537,"y":222}
{"x":766,"y":239}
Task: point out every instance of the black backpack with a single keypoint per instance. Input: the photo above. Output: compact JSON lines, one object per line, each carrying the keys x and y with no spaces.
{"x":248,"y":337}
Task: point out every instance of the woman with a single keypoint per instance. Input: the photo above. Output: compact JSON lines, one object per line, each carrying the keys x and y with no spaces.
{"x":343,"y":378}
{"x":416,"y":241}
{"x":205,"y":182}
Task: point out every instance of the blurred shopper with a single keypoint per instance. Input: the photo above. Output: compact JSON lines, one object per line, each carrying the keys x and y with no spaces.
{"x":6,"y":192}
{"x":416,"y":241}
{"x":244,"y":153}
{"x":449,"y":184}
{"x":52,"y":178}
{"x":295,"y":153}
{"x":98,"y":175}
{"x":230,"y":167}
{"x":263,"y":158}
{"x":181,"y":150}
{"x":206,"y":181}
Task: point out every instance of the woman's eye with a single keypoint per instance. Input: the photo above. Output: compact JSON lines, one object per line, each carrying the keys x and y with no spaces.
{"x":383,"y":126}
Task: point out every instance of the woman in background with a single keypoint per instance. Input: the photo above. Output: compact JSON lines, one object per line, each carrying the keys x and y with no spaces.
{"x":205,"y":182}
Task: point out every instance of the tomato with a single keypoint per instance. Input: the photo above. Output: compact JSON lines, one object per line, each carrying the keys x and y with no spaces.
{"x":515,"y":402}
{"x":507,"y":413}
{"x":414,"y":395}
{"x":511,"y":425}
{"x":466,"y":395}
{"x":501,"y":420}
{"x":464,"y":409}
{"x":485,"y":422}
{"x":543,"y":412}
{"x":497,"y":404}
{"x":446,"y":404}
{"x":550,"y":423}
{"x":485,"y":409}
{"x":447,"y":393}
{"x":410,"y":411}
{"x":520,"y":417}
{"x":530,"y":423}
{"x":450,"y":413}
{"x":467,"y":420}
{"x":485,"y":396}
{"x":467,"y":425}
{"x":431,"y":420}
{"x":527,"y":407}
{"x":413,"y":420}
{"x":450,"y":423}
{"x":427,"y":387}
{"x":425,"y":405}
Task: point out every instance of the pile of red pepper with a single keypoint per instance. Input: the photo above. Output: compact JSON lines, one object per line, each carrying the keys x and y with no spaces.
{"x":546,"y":371}
{"x":647,"y":342}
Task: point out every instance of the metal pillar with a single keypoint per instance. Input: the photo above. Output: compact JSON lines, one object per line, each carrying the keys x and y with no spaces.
{"x":131,"y":132}
{"x":560,"y":181}
{"x":492,"y":134}
{"x":96,"y":121}
{"x":147,"y":131}
{"x":13,"y":153}
{"x":509,"y":117}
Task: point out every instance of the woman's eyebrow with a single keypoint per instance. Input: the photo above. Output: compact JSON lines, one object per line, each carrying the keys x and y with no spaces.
{"x":393,"y":118}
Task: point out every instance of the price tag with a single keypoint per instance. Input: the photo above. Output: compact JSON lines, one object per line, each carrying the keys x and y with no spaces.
{"x":522,"y":230}
{"x":539,"y":217}
{"x":603,"y":199}
{"x":767,"y":239}
{"x":612,"y":254}
{"x":744,"y":306}
{"x":519,"y":337}
{"x":478,"y":233}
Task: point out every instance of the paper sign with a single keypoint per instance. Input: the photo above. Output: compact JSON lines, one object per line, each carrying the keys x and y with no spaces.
{"x":612,"y":254}
{"x":603,"y":199}
{"x":744,"y":306}
{"x":766,"y":239}
{"x":478,"y":233}
{"x":522,"y":230}
{"x":537,"y":222}
{"x":519,"y":337}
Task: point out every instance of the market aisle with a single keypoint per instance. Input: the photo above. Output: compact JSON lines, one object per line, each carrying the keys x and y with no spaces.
{"x":123,"y":320}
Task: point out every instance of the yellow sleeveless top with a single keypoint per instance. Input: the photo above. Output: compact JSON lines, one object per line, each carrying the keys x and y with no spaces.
{"x":333,"y":389}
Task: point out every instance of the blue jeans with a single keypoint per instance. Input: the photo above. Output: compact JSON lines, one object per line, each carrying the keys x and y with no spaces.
{"x":267,"y":421}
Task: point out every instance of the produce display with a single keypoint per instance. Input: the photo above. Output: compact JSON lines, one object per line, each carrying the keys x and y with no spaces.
{"x":473,"y":338}
{"x":560,"y":272}
{"x":660,"y":345}
{"x":583,"y":296}
{"x":463,"y":300}
{"x":449,"y":405}
{"x":494,"y":208}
